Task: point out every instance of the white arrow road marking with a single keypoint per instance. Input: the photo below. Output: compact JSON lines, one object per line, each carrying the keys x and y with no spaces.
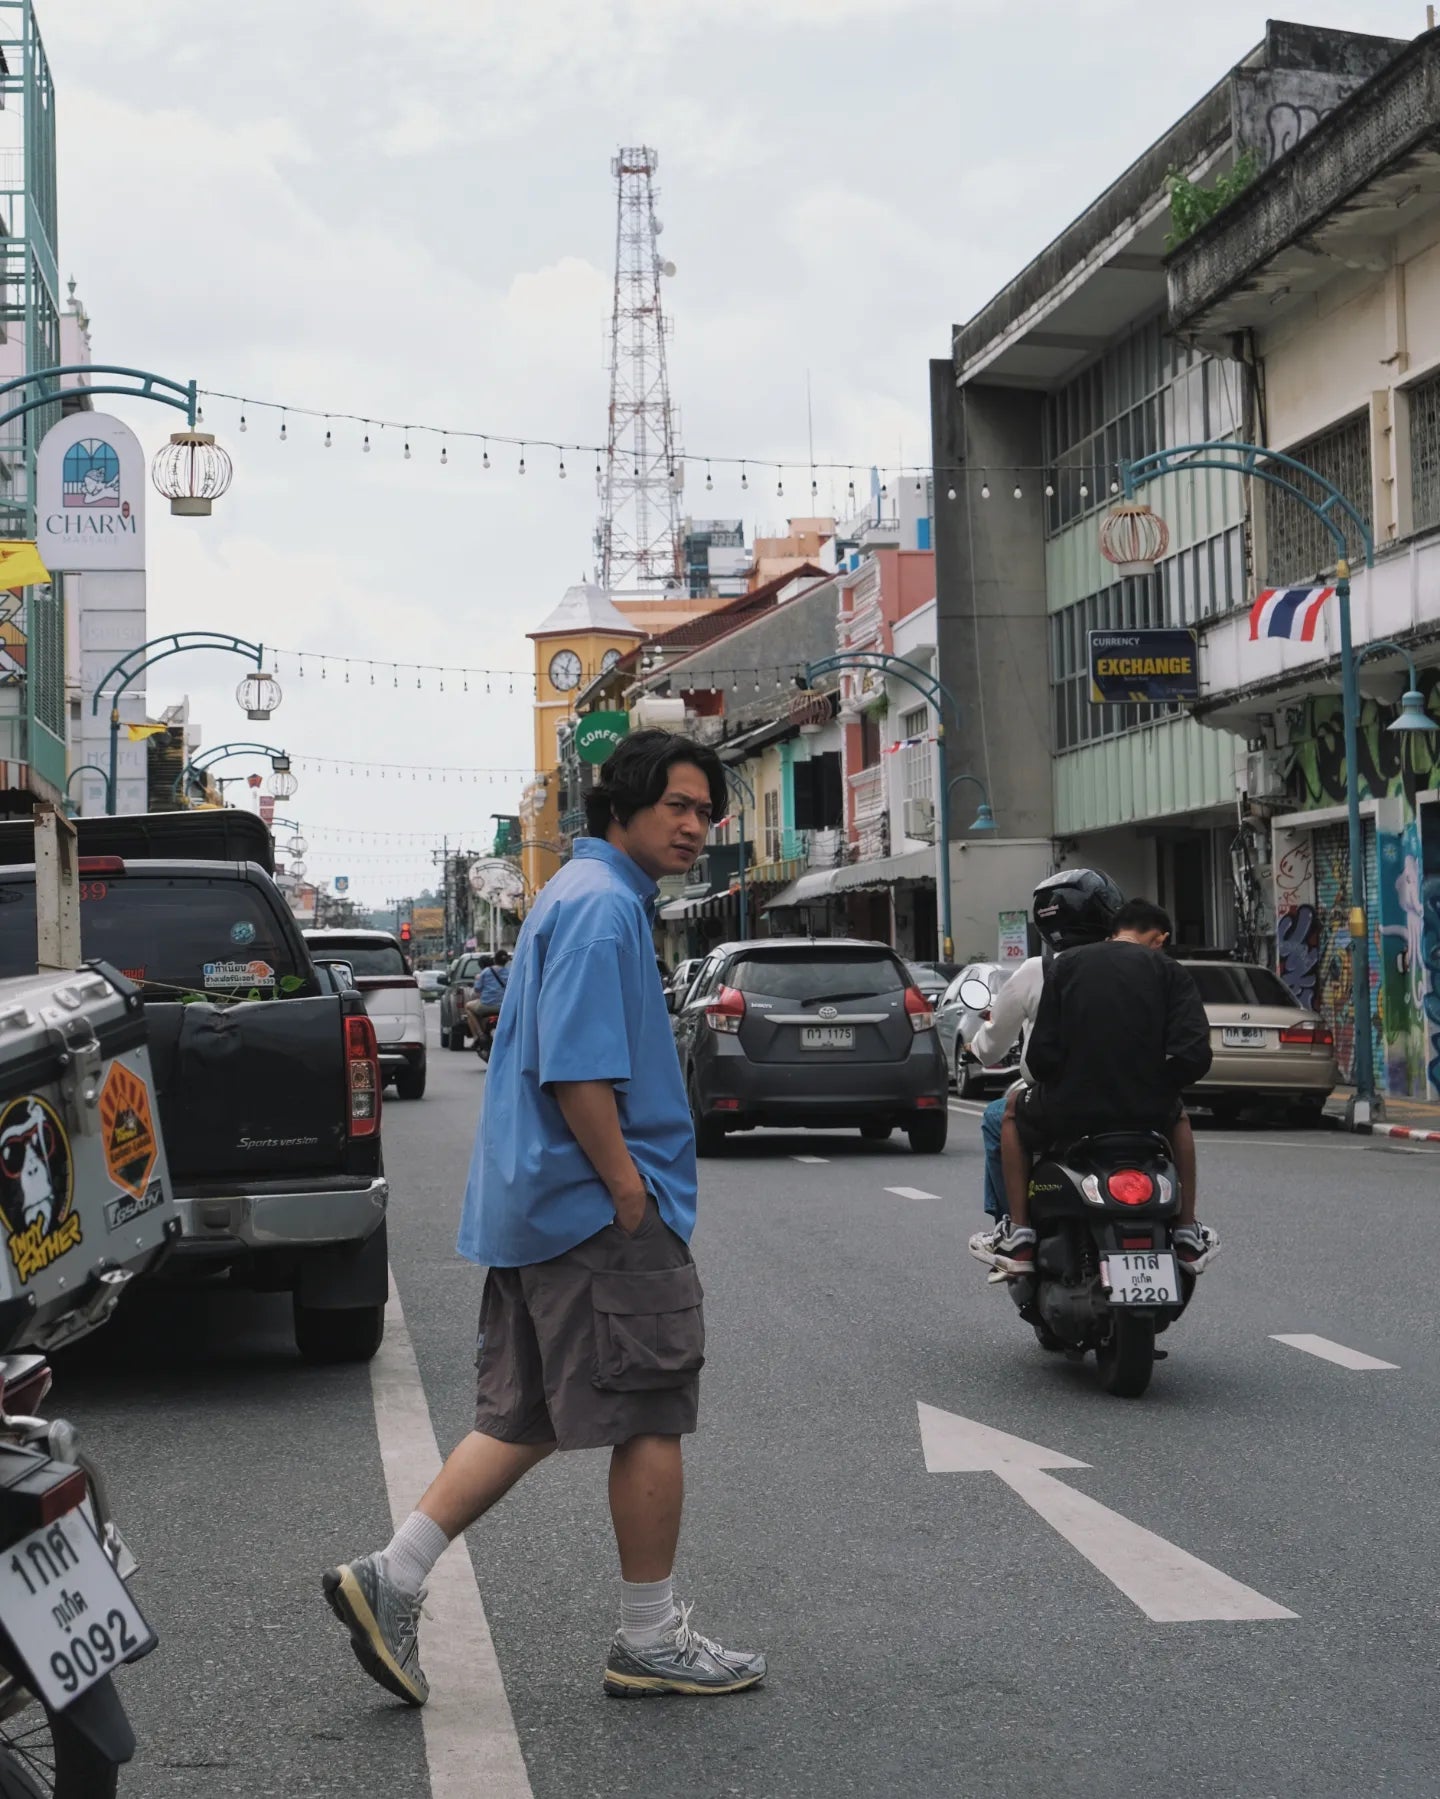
{"x":811,"y":1161}
{"x":1332,"y":1352}
{"x":1168,"y":1584}
{"x":911,"y":1193}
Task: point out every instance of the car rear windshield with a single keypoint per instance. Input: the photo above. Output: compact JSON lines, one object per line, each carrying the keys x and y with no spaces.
{"x":364,"y":957}
{"x":1226,"y":984}
{"x":817,"y":975}
{"x":172,"y":935}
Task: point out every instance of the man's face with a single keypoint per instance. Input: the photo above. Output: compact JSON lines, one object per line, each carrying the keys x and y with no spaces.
{"x":665,"y":839}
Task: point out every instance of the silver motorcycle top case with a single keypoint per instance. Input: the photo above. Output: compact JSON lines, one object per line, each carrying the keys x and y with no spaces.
{"x":85,"y":1197}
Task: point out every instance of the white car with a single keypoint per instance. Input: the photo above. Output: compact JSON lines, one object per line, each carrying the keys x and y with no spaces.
{"x":393,"y":1000}
{"x":430,"y":981}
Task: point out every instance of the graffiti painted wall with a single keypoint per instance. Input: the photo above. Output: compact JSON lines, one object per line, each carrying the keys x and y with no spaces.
{"x":1430,"y":944}
{"x":1391,"y":766}
{"x":1297,"y":924}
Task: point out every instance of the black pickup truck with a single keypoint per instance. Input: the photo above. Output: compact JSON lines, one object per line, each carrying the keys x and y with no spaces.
{"x":266,"y":1066}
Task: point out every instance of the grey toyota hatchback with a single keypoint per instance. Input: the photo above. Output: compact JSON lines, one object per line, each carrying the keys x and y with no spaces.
{"x":819,"y":1032}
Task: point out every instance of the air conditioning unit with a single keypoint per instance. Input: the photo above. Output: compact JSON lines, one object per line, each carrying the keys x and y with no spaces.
{"x":1261,"y":774}
{"x":919,"y":820}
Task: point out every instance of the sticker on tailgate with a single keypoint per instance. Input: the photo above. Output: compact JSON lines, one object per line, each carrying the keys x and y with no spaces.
{"x":37,"y":1185}
{"x":121,"y":1212}
{"x":127,"y":1127}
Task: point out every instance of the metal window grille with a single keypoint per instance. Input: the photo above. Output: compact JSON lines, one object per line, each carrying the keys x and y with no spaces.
{"x":1297,"y":544}
{"x":1424,"y":402}
{"x":919,"y":755}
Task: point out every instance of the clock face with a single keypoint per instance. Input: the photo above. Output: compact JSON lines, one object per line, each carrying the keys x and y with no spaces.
{"x":608,"y":661}
{"x":564,"y":670}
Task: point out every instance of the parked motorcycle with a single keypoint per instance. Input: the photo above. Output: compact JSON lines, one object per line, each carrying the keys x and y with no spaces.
{"x":66,"y":1617}
{"x":85,"y":1206}
{"x":1106,"y":1277}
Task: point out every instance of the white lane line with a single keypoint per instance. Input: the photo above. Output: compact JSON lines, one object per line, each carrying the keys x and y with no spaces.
{"x":911,"y":1193}
{"x":1167,"y":1583}
{"x":1331,"y":1352}
{"x":471,"y":1743}
{"x":811,"y":1161}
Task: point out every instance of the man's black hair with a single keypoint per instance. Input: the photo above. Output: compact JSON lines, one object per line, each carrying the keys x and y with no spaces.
{"x":502,"y":956}
{"x":638,"y":772}
{"x":1141,"y":915}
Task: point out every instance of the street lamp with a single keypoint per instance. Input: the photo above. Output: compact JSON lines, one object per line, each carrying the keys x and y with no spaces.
{"x":191,"y":471}
{"x":282,"y":782}
{"x":984,"y":819}
{"x":258,"y":696}
{"x":1280,"y":470}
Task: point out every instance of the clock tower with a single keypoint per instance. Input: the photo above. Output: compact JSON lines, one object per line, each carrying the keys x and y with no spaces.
{"x":583,"y":635}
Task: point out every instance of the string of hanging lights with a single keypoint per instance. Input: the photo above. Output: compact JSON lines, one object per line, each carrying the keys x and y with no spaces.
{"x":399,"y":770}
{"x":875,"y":479}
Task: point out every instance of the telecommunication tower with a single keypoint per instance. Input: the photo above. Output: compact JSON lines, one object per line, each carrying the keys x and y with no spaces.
{"x":637,"y":541}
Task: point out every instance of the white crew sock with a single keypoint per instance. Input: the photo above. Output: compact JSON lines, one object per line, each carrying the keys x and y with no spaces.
{"x":412,"y":1552}
{"x":647,"y":1611}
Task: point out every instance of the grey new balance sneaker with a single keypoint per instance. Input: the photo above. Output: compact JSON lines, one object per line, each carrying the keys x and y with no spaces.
{"x":681,"y":1662}
{"x":384,"y":1625}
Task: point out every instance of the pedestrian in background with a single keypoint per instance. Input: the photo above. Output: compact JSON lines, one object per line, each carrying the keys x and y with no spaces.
{"x":581,"y":1201}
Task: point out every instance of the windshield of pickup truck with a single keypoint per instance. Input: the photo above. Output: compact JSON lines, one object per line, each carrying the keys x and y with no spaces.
{"x":171,"y":935}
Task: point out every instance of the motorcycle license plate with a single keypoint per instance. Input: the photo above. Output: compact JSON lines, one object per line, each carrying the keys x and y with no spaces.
{"x":67,"y":1611}
{"x":1149,"y":1279}
{"x":827,"y":1036}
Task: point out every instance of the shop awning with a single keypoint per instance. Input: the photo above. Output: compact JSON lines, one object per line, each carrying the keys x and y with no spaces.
{"x":812,"y":886}
{"x":683,"y":908}
{"x":884,"y":871}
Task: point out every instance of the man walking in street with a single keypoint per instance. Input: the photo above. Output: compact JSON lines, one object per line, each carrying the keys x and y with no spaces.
{"x":581,"y":1201}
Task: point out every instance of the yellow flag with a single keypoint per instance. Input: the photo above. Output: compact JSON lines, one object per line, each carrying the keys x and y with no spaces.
{"x":137,"y":733}
{"x":20,"y":564}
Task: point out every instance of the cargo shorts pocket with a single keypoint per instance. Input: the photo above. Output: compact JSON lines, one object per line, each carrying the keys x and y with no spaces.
{"x":649,"y":1328}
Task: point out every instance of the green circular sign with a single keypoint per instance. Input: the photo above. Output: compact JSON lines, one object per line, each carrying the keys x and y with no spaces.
{"x":597,"y":733}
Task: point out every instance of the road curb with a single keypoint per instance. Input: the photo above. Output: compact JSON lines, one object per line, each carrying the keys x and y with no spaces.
{"x":1409,"y":1132}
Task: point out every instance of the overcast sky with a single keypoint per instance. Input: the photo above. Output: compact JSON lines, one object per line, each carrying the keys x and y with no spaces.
{"x":406,"y":210}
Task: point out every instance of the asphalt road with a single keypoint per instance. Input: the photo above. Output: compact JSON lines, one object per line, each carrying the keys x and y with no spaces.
{"x":929,"y":1634}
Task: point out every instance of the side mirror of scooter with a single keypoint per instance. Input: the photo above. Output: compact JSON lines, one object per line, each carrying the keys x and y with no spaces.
{"x":975,"y":994}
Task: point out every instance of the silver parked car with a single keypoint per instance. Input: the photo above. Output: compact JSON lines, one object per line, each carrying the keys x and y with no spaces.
{"x":955,"y":1021}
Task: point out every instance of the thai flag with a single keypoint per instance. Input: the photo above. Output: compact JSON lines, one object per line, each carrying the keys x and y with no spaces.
{"x":1292,"y":612}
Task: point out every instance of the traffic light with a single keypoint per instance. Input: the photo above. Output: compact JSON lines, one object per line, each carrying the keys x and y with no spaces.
{"x":405,"y":932}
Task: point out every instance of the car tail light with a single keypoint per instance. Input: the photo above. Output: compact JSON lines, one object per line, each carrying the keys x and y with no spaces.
{"x":921,"y":1010}
{"x":102,"y":865}
{"x":1131,"y":1186}
{"x":727,"y":1105}
{"x":362,"y":1055}
{"x":726,"y":1012}
{"x":1319,"y":1035}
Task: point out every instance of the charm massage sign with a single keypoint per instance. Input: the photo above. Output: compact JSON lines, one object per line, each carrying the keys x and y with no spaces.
{"x":90,"y":479}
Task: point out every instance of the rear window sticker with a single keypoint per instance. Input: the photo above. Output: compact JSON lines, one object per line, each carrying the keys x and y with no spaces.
{"x":239,"y":974}
{"x":37,"y":1186}
{"x":242,"y":931}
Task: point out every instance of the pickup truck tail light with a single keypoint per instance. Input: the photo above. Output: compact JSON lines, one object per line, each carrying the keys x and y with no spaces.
{"x":921,"y":1011}
{"x":726,"y":1012}
{"x":102,"y":865}
{"x":362,"y":1057}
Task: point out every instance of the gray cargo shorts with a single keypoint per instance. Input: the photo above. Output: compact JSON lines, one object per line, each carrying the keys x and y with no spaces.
{"x":596,"y":1346}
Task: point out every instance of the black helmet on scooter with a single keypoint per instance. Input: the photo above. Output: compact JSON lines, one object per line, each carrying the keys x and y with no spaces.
{"x":1076,"y":906}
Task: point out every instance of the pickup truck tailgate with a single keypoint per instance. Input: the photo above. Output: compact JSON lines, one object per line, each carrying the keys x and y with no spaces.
{"x":251,"y":1088}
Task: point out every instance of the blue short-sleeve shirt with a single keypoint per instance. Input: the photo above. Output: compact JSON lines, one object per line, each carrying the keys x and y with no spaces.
{"x":584,"y":1003}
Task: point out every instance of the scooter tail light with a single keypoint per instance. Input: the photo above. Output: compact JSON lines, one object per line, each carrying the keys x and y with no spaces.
{"x":65,"y":1496}
{"x":920,"y":1010}
{"x":726,"y":1012}
{"x":1131,"y":1186}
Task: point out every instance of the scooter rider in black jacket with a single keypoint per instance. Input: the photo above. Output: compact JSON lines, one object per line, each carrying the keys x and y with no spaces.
{"x":1120,"y":1033}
